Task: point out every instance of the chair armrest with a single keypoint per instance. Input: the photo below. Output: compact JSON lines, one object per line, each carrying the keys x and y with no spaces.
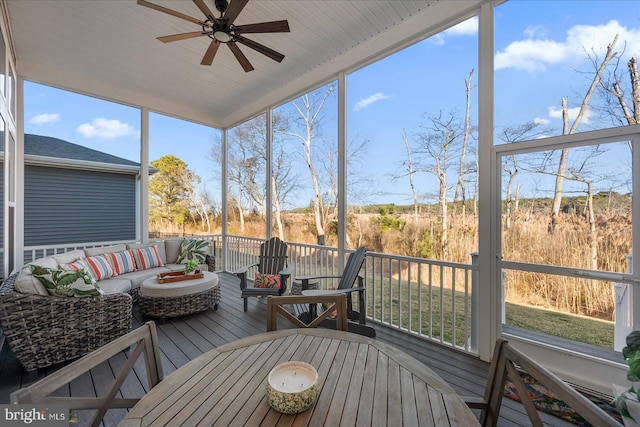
{"x":243,"y":270}
{"x":286,"y":271}
{"x":315,"y":292}
{"x":474,"y":402}
{"x":316,"y":277}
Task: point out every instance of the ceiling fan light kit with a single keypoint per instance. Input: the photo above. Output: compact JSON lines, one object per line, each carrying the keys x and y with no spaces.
{"x":222,"y":30}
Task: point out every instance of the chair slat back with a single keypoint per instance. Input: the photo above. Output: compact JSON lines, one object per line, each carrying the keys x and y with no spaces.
{"x":141,"y":341}
{"x":273,"y":256}
{"x":505,"y":360}
{"x":352,"y":268}
{"x":329,"y":304}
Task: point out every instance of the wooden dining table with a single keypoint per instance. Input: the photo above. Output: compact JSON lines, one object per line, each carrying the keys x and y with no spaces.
{"x":362,"y":382}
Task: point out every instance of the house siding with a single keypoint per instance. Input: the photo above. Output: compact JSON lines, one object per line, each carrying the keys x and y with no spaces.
{"x":77,"y":206}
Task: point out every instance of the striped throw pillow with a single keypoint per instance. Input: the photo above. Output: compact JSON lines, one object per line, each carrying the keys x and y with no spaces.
{"x":76,"y":265}
{"x":122,"y":262}
{"x":147,"y":258}
{"x":99,"y":267}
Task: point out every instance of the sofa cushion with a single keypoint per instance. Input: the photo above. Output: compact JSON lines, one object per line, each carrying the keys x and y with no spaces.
{"x":136,"y":277}
{"x":69,"y":257}
{"x":159,"y":246}
{"x":147,"y":258}
{"x":172,"y":250}
{"x":104,"y":249}
{"x":193,"y":249}
{"x":27,"y":284}
{"x":122,"y":261}
{"x":180,"y":267}
{"x":115,"y":285}
{"x":66,"y":283}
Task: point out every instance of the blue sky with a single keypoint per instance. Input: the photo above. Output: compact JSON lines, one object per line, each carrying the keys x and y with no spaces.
{"x":539,"y":49}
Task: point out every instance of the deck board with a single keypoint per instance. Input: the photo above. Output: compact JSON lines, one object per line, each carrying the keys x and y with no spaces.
{"x":183,"y":339}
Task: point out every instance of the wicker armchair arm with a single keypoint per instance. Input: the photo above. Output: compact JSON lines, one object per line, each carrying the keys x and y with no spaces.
{"x":45,"y":330}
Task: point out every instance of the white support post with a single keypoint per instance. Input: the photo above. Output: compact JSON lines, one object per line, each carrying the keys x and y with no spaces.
{"x":624,"y":302}
{"x":475,"y":304}
{"x":268,"y":209}
{"x":342,"y":168}
{"x":489,"y":211}
{"x":225,"y":198}
{"x":142,"y":222}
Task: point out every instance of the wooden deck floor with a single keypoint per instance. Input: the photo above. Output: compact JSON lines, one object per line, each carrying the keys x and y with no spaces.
{"x":183,"y":339}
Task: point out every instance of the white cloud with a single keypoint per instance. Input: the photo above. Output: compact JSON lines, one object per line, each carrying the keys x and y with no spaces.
{"x":365,"y":102}
{"x":106,"y":129}
{"x":556,"y":113}
{"x":535,"y":31}
{"x":536,"y":52}
{"x":541,"y":121}
{"x":41,"y":119}
{"x":465,"y":28}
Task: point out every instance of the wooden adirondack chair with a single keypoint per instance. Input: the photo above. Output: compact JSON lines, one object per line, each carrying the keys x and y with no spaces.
{"x":348,"y":279}
{"x":272,"y":260}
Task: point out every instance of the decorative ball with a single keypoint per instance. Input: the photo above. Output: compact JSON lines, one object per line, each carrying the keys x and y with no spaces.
{"x":292,"y":387}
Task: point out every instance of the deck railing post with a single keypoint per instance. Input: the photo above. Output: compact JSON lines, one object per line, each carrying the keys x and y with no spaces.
{"x":624,"y":305}
{"x":475,"y":303}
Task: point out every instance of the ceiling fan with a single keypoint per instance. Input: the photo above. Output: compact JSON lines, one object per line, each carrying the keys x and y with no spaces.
{"x":222,"y":30}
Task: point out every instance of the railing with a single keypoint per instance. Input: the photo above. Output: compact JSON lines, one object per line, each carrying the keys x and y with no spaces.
{"x":427,"y":298}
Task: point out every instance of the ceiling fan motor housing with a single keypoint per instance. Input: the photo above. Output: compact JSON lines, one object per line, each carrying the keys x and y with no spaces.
{"x":221,"y":5}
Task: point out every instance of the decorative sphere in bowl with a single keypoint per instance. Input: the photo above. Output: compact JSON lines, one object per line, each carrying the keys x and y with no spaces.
{"x":292,"y":387}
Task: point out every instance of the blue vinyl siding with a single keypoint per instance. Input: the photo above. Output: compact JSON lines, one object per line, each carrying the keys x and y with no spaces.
{"x":76,"y":206}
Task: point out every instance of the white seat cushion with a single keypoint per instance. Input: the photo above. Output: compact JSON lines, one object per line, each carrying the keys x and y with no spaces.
{"x":152,"y":288}
{"x":115,"y":285}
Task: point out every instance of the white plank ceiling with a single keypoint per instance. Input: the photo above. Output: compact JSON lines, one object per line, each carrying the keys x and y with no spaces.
{"x":108,"y":48}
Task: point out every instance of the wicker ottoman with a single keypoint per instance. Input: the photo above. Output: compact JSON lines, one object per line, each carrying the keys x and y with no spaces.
{"x":175,"y":299}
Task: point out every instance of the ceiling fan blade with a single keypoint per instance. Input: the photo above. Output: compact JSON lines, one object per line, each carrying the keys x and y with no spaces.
{"x":183,"y":36}
{"x":205,"y":9}
{"x":207,"y":59}
{"x":233,"y":10}
{"x":276,"y":56}
{"x":170,"y":12}
{"x":246,"y":65}
{"x":264,"y":27}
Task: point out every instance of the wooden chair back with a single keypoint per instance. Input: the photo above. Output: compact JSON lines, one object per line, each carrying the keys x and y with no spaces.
{"x":273,"y":256}
{"x":329,"y":304}
{"x":352,"y":268}
{"x":505,"y":360}
{"x":145,"y":340}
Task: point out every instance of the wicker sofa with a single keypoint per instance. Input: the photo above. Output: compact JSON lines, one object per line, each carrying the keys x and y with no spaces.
{"x":43,"y":330}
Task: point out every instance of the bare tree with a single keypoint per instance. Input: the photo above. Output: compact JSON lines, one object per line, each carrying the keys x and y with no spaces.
{"x":510,"y":135}
{"x":437,"y":144}
{"x":309,"y":108}
{"x":246,"y":165}
{"x":465,"y":140}
{"x":562,"y":164}
{"x":410,"y":173}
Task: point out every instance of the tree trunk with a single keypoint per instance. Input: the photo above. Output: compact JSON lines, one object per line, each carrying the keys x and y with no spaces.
{"x":277,"y":214}
{"x":467,"y":120}
{"x":411,"y":172}
{"x":443,"y":211}
{"x":557,"y":195}
{"x":240,"y":212}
